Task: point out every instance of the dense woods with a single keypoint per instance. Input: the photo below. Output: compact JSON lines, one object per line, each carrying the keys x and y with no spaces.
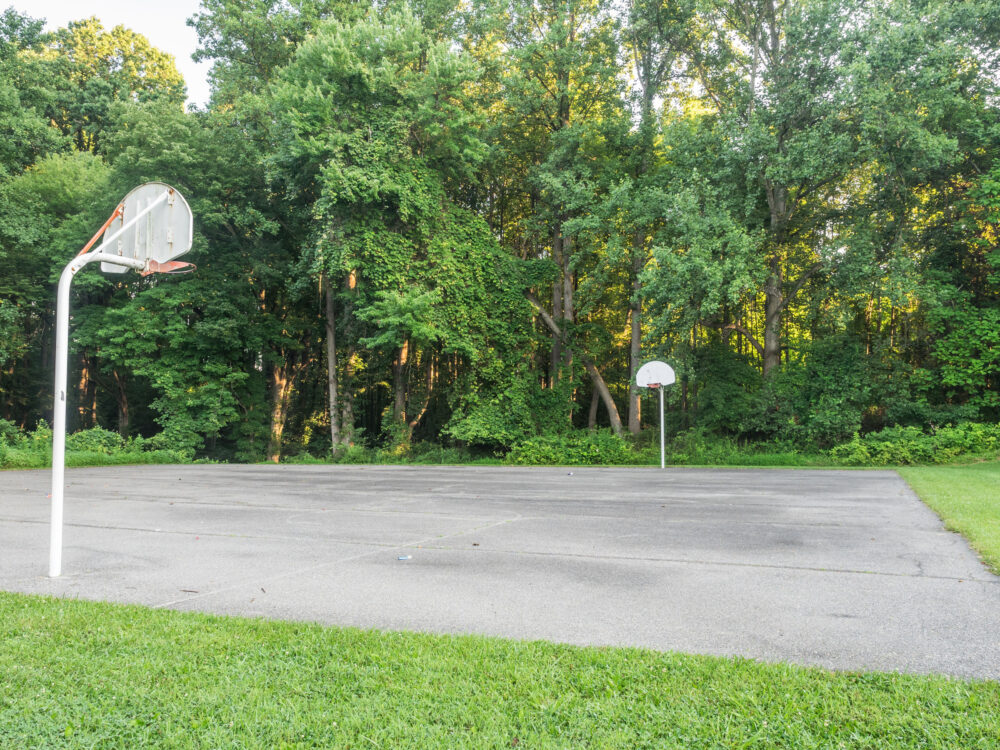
{"x":471,"y":223}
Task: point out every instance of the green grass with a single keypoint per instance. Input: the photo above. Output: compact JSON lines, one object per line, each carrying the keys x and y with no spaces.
{"x":968,"y":500}
{"x":83,"y":674}
{"x":13,"y":458}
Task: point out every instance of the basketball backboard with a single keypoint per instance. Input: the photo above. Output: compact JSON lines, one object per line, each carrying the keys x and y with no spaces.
{"x":654,"y":374}
{"x":153,"y":224}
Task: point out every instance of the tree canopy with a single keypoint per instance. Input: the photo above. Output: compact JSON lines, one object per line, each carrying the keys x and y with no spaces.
{"x":471,"y":223}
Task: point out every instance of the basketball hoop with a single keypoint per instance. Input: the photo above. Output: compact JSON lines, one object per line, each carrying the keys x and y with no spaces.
{"x":656,"y":374}
{"x":169,"y":268}
{"x":148,"y":229}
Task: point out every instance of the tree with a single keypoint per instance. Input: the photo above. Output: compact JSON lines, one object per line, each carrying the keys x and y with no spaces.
{"x":250,"y":40}
{"x":376,"y":135}
{"x":24,"y":134}
{"x":86,"y":70}
{"x":655,"y":36}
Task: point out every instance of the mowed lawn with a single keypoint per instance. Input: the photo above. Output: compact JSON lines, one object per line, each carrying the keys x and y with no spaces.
{"x":84,"y":674}
{"x":968,"y":500}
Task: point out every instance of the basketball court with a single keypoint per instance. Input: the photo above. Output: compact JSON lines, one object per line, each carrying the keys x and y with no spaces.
{"x":843,"y":569}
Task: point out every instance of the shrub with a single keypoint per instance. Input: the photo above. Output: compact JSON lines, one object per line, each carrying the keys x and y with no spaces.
{"x":573,"y":449}
{"x":93,"y":447}
{"x":95,"y":440}
{"x":897,"y":446}
{"x":10,"y":433}
{"x":355,"y":454}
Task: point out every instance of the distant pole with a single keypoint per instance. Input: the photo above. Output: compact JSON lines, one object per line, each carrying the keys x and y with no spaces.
{"x":663,"y":450}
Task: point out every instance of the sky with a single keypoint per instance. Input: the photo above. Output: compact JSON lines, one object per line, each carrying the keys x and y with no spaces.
{"x":162,"y":23}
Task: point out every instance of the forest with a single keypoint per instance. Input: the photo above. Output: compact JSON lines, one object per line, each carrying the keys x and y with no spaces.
{"x":469,"y":224}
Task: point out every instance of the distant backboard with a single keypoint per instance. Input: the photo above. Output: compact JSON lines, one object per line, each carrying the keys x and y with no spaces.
{"x":654,"y":374}
{"x":162,"y":232}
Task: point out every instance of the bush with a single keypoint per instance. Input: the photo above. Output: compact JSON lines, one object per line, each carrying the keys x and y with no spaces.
{"x":899,"y":446}
{"x":573,"y":449}
{"x":10,"y":433}
{"x":699,"y":447}
{"x":93,"y":447}
{"x":95,"y":440}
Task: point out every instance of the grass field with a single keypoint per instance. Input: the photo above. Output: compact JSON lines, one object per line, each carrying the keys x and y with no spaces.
{"x":968,"y":500}
{"x":82,"y":674}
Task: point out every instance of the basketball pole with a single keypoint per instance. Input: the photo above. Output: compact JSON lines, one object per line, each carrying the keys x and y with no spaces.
{"x":59,"y":394}
{"x":663,"y":450}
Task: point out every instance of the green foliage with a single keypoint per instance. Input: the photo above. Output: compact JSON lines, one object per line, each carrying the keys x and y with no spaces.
{"x":968,"y":353}
{"x":796,"y":204}
{"x":10,"y":433}
{"x":93,"y":447}
{"x":249,"y":41}
{"x":87,"y":70}
{"x":95,"y":440}
{"x":898,"y":446}
{"x":572,"y":449}
{"x":421,"y":453}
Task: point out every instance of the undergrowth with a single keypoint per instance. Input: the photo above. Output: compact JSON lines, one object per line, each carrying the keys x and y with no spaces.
{"x":896,"y":446}
{"x":93,"y":447}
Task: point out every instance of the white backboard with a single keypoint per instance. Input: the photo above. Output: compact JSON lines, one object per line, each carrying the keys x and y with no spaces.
{"x":655,"y":373}
{"x":160,"y":234}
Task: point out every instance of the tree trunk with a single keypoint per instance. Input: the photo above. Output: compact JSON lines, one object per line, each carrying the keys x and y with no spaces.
{"x":595,"y":376}
{"x":121,"y":396}
{"x":595,"y":401}
{"x":557,"y":308}
{"x":347,"y":384}
{"x":282,"y":383}
{"x":777,"y":198}
{"x":399,"y":383}
{"x":347,"y":399}
{"x":569,"y":314}
{"x":635,"y":335}
{"x":431,"y":378}
{"x":772,"y":319}
{"x":87,"y":409}
{"x":331,"y":363}
{"x":602,"y":389}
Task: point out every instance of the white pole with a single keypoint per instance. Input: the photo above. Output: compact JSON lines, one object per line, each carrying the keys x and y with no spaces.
{"x":663,"y":452}
{"x":59,"y":398}
{"x":59,"y":420}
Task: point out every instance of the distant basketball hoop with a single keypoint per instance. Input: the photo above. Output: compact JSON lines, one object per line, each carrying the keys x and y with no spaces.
{"x":149,"y":228}
{"x":656,"y":374}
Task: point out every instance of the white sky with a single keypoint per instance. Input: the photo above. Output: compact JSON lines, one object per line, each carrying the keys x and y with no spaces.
{"x":163,"y":22}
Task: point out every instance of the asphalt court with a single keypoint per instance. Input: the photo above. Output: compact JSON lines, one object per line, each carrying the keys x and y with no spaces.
{"x":842,"y":569}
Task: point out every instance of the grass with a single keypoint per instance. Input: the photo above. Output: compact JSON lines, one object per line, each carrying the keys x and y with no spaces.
{"x":13,"y":458}
{"x":968,"y":500}
{"x":84,"y":674}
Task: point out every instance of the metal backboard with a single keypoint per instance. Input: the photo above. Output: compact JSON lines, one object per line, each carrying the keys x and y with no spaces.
{"x":153,"y":224}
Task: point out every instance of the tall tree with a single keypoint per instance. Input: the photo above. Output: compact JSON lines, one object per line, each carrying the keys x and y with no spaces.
{"x":655,"y":35}
{"x":376,"y":135}
{"x":562,"y":78}
{"x":88,"y":70}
